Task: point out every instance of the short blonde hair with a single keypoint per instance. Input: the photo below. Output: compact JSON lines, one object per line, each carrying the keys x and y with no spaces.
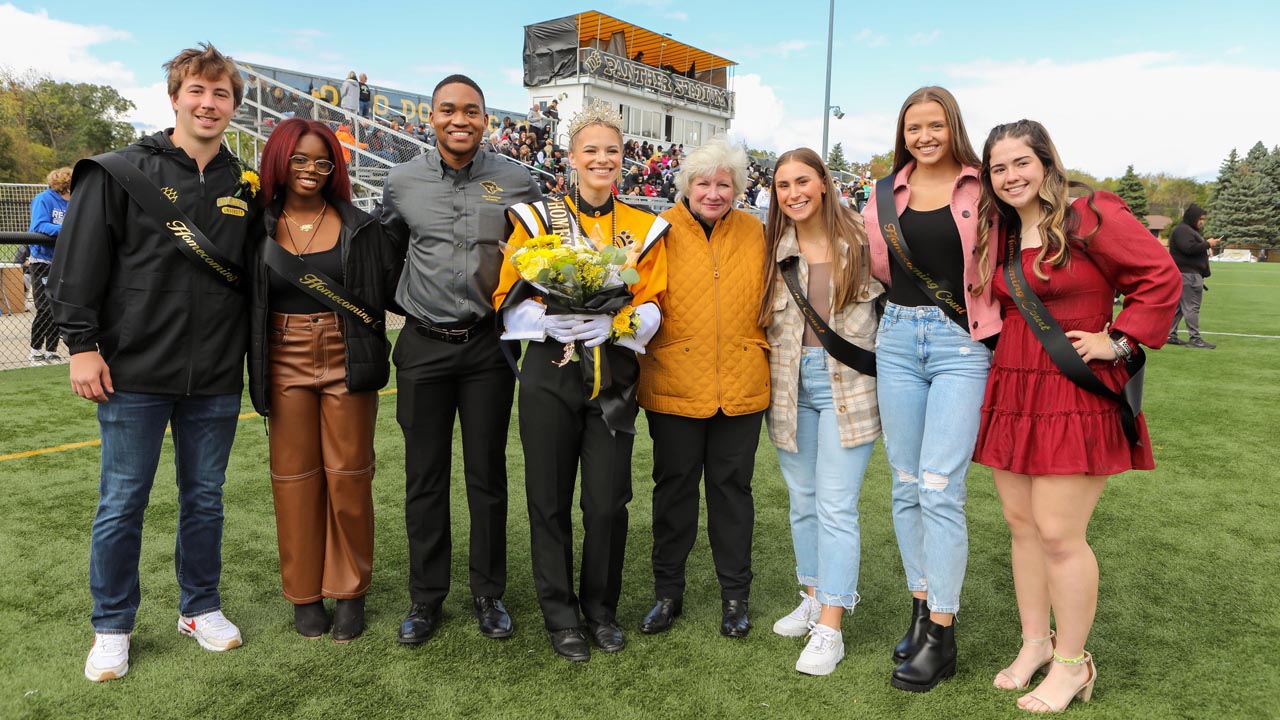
{"x":717,"y":154}
{"x":206,"y":62}
{"x":59,"y":180}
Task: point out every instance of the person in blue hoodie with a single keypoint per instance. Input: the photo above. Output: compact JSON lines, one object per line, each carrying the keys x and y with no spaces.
{"x":47,"y":210}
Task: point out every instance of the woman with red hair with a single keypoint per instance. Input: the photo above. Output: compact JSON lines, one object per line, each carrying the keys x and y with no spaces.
{"x":314,"y":370}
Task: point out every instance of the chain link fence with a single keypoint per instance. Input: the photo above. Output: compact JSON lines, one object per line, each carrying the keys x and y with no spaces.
{"x":18,"y":321}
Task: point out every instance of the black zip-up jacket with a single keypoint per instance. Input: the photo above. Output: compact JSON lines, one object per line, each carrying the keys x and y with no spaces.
{"x":372,"y":260}
{"x":119,"y":283}
{"x":1188,"y":247}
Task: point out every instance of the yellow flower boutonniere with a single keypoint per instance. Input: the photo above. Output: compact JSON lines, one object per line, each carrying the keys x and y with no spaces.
{"x":626,"y":323}
{"x":249,"y":181}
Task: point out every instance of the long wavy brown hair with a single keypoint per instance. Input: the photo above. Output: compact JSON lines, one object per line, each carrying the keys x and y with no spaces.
{"x":961,"y":146}
{"x":1058,"y":220}
{"x":838,"y":221}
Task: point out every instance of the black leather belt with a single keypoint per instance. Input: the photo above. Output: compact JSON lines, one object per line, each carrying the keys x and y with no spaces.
{"x":453,"y":333}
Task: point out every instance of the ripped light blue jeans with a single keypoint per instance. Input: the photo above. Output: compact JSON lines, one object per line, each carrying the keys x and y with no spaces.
{"x":930,"y":380}
{"x":824,"y":481}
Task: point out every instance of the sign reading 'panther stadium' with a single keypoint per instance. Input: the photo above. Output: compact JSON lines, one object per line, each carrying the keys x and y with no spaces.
{"x":636,"y":74}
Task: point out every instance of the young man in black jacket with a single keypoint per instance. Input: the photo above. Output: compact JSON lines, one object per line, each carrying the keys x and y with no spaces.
{"x":157,"y":337}
{"x":1190,"y":250}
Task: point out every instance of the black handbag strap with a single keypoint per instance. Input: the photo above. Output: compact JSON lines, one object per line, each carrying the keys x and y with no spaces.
{"x":189,"y":239}
{"x":320,"y":287}
{"x":938,"y":290}
{"x":864,"y":361}
{"x":1059,"y":346}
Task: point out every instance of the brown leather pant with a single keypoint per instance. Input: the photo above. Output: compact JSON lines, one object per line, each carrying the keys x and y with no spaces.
{"x":321,"y":439}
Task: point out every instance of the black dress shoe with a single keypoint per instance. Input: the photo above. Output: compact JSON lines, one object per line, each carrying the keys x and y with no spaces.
{"x":420,"y":624}
{"x":348,"y":620}
{"x":735,"y":623}
{"x":310,"y":619}
{"x":1175,"y":340}
{"x":915,"y":631}
{"x":933,"y":662}
{"x":1200,"y":343}
{"x":664,"y":613}
{"x":607,"y":636}
{"x":570,"y":644}
{"x":494,"y":620}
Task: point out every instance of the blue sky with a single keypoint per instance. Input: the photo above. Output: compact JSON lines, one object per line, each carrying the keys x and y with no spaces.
{"x":1168,"y":86}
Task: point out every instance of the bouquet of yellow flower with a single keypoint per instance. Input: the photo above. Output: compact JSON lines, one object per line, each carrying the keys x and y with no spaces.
{"x":580,"y":279}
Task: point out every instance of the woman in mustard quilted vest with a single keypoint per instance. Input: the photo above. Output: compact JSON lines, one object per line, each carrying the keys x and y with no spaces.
{"x":704,"y":385}
{"x":824,"y":417}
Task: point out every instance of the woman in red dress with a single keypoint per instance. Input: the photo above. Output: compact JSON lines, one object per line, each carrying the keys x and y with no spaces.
{"x":1050,"y":444}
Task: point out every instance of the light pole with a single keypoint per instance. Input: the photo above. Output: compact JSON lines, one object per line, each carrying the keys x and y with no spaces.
{"x":826,"y":103}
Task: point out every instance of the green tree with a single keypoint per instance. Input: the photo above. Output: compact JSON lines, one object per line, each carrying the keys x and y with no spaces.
{"x":836,"y":159}
{"x":1227,"y":173}
{"x":880,"y":165}
{"x":762,"y":154}
{"x":1246,"y":211}
{"x":1131,"y":190}
{"x":51,"y":123}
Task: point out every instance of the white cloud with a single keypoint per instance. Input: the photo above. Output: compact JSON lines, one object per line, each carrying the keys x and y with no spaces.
{"x":678,"y":16}
{"x":27,"y":42}
{"x":928,"y":38}
{"x":1157,"y":111}
{"x":870,"y":38}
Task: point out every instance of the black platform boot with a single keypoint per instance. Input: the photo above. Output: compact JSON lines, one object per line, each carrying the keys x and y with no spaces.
{"x":933,"y":662}
{"x":915,"y":631}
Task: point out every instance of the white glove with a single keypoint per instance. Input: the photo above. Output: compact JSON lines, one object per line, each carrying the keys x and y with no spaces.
{"x":561,"y":327}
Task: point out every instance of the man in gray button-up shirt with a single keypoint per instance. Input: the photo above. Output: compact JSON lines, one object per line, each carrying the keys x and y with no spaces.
{"x":451,"y":205}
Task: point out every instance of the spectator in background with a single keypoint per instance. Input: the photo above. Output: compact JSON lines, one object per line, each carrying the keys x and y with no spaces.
{"x":349,"y":99}
{"x":534,"y":117}
{"x":1190,"y":251}
{"x":366,"y":97}
{"x":348,"y":142}
{"x":763,"y":197}
{"x":47,"y":211}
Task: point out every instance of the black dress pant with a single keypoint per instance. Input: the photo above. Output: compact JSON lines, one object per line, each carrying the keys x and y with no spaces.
{"x":561,"y":430}
{"x":44,"y":332}
{"x":724,"y":448}
{"x":437,"y":380}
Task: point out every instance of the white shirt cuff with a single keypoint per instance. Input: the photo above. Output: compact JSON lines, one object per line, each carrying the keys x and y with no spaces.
{"x":525,"y":321}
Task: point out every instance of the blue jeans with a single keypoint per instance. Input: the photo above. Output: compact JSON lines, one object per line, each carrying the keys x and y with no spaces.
{"x":930,"y":379}
{"x":132,"y":427}
{"x":824,"y":481}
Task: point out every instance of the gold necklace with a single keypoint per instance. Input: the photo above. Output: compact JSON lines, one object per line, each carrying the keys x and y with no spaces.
{"x":306,"y":247}
{"x":311,"y":225}
{"x":613,"y":215}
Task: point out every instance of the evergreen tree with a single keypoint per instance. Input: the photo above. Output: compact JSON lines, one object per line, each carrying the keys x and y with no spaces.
{"x":1228,"y":173}
{"x":1256,"y":158}
{"x":836,"y":159}
{"x":1131,"y":190}
{"x":1246,"y":211}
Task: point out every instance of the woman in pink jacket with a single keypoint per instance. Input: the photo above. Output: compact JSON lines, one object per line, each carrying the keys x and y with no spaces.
{"x":931,"y":365}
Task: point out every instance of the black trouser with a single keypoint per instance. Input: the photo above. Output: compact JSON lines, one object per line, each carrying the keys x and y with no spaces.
{"x":44,"y":333}
{"x":436,"y":380}
{"x":560,"y":429}
{"x":723,"y":447}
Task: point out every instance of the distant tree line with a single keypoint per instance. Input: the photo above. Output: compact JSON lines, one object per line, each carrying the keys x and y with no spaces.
{"x":1245,"y":204}
{"x":45,"y":124}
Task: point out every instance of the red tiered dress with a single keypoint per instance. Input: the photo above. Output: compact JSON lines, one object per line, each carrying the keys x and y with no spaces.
{"x":1035,"y":421}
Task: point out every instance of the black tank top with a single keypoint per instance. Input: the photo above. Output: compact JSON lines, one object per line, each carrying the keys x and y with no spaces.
{"x":285,"y":297}
{"x":934,"y":243}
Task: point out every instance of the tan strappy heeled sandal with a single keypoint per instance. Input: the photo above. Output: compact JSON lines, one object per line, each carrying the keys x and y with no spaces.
{"x":1084,"y":693}
{"x":1020,"y":683}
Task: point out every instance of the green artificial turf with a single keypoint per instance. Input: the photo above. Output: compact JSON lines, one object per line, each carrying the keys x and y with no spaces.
{"x":1186,"y":627}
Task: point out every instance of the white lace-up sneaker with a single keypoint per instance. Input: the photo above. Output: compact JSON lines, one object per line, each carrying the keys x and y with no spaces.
{"x":212,"y":630}
{"x":36,"y":357}
{"x":824,"y":651}
{"x":797,"y":624}
{"x":109,"y":658}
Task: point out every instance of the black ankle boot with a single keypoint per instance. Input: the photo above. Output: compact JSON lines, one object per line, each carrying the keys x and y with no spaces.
{"x":933,"y":662}
{"x":915,"y":632}
{"x":310,"y":619}
{"x":348,"y":620}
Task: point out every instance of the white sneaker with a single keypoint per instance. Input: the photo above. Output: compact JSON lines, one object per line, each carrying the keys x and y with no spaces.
{"x":109,"y":658}
{"x":824,"y":651}
{"x":797,"y":624}
{"x":36,"y":357}
{"x":212,"y":630}
{"x":52,"y":356}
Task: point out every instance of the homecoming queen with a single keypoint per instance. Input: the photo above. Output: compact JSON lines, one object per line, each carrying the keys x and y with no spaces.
{"x":582,"y":411}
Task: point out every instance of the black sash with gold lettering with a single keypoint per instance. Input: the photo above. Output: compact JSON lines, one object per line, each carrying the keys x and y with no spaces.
{"x":860,"y":359}
{"x":320,"y":287}
{"x":947,"y":298}
{"x":1062,"y":352}
{"x":190,"y":240}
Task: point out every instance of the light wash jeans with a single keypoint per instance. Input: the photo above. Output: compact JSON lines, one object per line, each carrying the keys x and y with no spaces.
{"x":824,"y":481}
{"x":930,"y":382}
{"x":132,"y":426}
